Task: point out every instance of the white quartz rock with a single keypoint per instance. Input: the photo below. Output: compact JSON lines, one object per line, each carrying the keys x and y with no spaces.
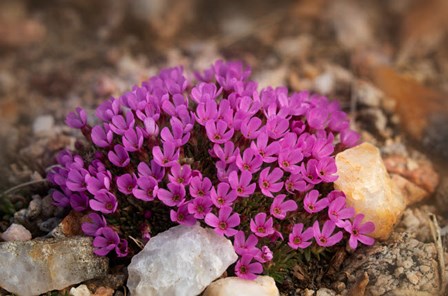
{"x":234,"y":286}
{"x":38,"y":266}
{"x":369,"y":189}
{"x":16,"y":232}
{"x":181,"y":261}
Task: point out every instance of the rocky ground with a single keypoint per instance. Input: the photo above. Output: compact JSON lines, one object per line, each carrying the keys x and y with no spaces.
{"x":385,"y":61}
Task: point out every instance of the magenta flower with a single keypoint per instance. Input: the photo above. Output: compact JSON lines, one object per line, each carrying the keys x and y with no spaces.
{"x":77,"y":119}
{"x":156,"y":171}
{"x":79,"y":202}
{"x":326,"y":168}
{"x":120,"y":124}
{"x":119,"y":156}
{"x":251,"y":127}
{"x":325,"y":238}
{"x":349,"y":138}
{"x":264,"y":255}
{"x":358,"y":232}
{"x":206,"y":111}
{"x":104,"y":202}
{"x":169,"y":156}
{"x":93,"y":224}
{"x":133,"y":139}
{"x":199,"y":207}
{"x":260,"y":226}
{"x":267,"y":152}
{"x":204,"y":92}
{"x":126,"y":183}
{"x":106,"y":240}
{"x":102,"y":136}
{"x":225,"y":222}
{"x":174,"y":196}
{"x":176,"y":134}
{"x":294,"y":183}
{"x":247,"y":270}
{"x":200,"y":187}
{"x":279,"y":208}
{"x":337,"y":212}
{"x":243,"y":246}
{"x":60,"y":199}
{"x":243,"y":187}
{"x":223,"y":196}
{"x":180,"y":174}
{"x":288,"y":160}
{"x":250,"y":161}
{"x":218,"y":132}
{"x":299,"y":238}
{"x":312,"y":205}
{"x":276,"y":127}
{"x":317,"y":118}
{"x":76,"y":178}
{"x":182,"y":216}
{"x":268,"y":182}
{"x":228,"y":154}
{"x":151,"y":129}
{"x":147,"y":188}
{"x":323,"y":147}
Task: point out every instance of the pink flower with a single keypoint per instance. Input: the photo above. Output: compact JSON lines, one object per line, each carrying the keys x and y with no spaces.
{"x":147,"y":188}
{"x":325,"y":238}
{"x":250,"y":161}
{"x":225,"y":222}
{"x":250,"y":127}
{"x":77,"y":119}
{"x":218,"y":132}
{"x":264,"y":255}
{"x":358,"y":232}
{"x":299,"y":238}
{"x":200,"y":187}
{"x":279,"y":208}
{"x":199,"y":207}
{"x":174,"y":196}
{"x":260,"y":226}
{"x":182,"y":216}
{"x":223,"y":196}
{"x":104,"y":202}
{"x":337,"y":212}
{"x":243,"y":246}
{"x":180,"y":174}
{"x":267,"y":181}
{"x":119,"y":156}
{"x":247,"y":270}
{"x":169,"y":156}
{"x":267,"y":152}
{"x":126,"y":183}
{"x":228,"y":154}
{"x":310,"y":203}
{"x":288,"y":160}
{"x":242,"y":186}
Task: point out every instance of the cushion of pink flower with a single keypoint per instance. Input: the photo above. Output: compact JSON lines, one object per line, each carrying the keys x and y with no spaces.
{"x":256,"y":166}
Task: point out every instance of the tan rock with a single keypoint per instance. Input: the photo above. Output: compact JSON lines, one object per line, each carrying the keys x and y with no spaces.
{"x":411,"y":192}
{"x":234,"y":286}
{"x":369,"y":189}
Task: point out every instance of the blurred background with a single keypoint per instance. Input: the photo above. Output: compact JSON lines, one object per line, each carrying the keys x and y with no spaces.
{"x":386,"y":61}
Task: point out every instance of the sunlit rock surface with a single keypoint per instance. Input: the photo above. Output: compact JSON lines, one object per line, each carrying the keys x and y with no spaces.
{"x":234,"y":286}
{"x":183,"y":260}
{"x":368,"y":187}
{"x":38,"y":266}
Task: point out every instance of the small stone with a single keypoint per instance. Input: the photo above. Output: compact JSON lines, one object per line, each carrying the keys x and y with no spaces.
{"x":48,"y":209}
{"x":308,"y":292}
{"x":366,"y":94}
{"x":325,"y":292}
{"x":16,"y":232}
{"x":103,"y":291}
{"x":49,"y":225}
{"x":411,"y":192}
{"x":234,"y":286}
{"x":34,"y":208}
{"x":81,"y":290}
{"x":183,"y":260}
{"x":369,"y":190}
{"x":425,"y":268}
{"x":412,"y":277}
{"x":324,"y":83}
{"x":43,"y":125}
{"x":51,"y":264}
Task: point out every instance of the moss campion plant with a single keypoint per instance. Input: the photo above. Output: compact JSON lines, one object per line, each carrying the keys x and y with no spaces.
{"x":256,"y":166}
